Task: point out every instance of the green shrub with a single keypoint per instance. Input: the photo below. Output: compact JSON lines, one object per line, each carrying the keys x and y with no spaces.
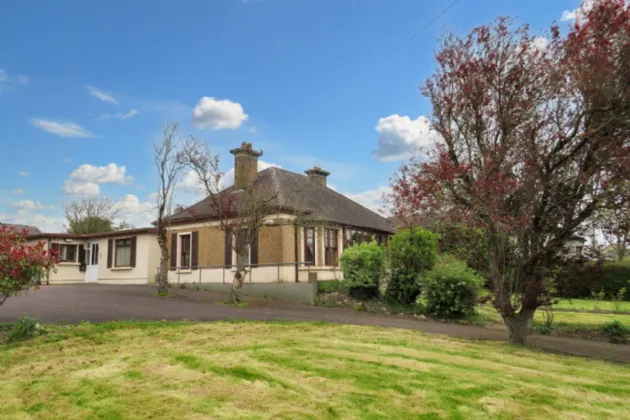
{"x":411,"y":253}
{"x":25,"y":328}
{"x":362,"y":266}
{"x":616,"y":332}
{"x":330,"y":286}
{"x":451,"y":289}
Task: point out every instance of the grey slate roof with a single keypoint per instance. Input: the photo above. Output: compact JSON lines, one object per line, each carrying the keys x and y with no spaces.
{"x":31,"y":230}
{"x":298,"y":193}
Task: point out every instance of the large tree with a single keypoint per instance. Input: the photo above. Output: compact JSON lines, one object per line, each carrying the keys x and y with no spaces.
{"x":533,"y":140}
{"x":168,"y":168}
{"x":93,"y":215}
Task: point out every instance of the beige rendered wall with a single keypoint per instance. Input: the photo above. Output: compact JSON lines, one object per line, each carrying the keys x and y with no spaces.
{"x":66,"y":272}
{"x":126,"y":275}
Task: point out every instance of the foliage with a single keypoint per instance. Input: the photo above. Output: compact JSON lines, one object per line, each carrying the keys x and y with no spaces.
{"x":26,"y":328}
{"x":21,"y":265}
{"x":362,"y":266}
{"x":616,"y":332}
{"x":411,"y":252}
{"x":531,"y":144}
{"x":580,"y":279}
{"x":464,"y":242}
{"x":617,"y":299}
{"x":451,"y":289}
{"x":330,"y":286}
{"x":92,"y":215}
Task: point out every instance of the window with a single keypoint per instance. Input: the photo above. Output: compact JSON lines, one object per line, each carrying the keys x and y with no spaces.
{"x":123,"y":252}
{"x":330,"y":247}
{"x":184,"y":250}
{"x":94,"y":254}
{"x":354,"y":236}
{"x":65,"y":252}
{"x":309,"y":245}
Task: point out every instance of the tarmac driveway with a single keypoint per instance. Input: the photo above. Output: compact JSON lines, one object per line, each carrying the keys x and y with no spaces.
{"x":101,"y":303}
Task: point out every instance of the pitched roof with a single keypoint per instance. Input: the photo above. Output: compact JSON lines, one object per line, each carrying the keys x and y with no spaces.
{"x":125,"y":232}
{"x":31,"y":230}
{"x":297,"y":193}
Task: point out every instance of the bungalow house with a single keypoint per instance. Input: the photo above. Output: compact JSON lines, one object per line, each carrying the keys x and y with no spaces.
{"x":305,"y":231}
{"x":129,"y":256}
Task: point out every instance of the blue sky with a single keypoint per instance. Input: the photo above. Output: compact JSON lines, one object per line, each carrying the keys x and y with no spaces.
{"x":86,"y":87}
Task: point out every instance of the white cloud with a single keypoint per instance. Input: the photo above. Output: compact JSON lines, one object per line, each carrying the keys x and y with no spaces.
{"x":218,"y":114}
{"x":129,"y":114}
{"x":540,"y":43}
{"x":8,"y":83}
{"x":86,"y":178}
{"x":68,"y":160}
{"x":579,"y":13}
{"x":568,"y":15}
{"x":135,"y":212}
{"x":253,"y":130}
{"x":17,"y":192}
{"x":23,"y":173}
{"x":399,"y":136}
{"x":119,"y":116}
{"x":31,"y":205}
{"x":63,"y":129}
{"x":100,"y":95}
{"x":373,"y":199}
{"x":190,"y":183}
{"x":28,"y":217}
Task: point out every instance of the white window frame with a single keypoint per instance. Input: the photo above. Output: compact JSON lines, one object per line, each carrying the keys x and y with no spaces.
{"x":179,"y":249}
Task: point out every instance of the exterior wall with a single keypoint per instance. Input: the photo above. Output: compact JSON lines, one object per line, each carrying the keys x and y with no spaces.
{"x":128,"y":275}
{"x":211,"y":245}
{"x":66,"y":272}
{"x":153,"y":257}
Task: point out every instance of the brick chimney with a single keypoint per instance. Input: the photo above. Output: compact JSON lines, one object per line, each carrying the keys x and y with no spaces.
{"x":245,"y":165}
{"x":317,"y":174}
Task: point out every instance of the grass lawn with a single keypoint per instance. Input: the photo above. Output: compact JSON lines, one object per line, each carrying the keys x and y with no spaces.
{"x":591,"y":305}
{"x":296,"y":370}
{"x":571,"y":320}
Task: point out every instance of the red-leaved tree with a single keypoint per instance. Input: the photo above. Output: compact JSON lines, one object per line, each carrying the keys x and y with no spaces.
{"x":21,"y":265}
{"x":533,"y":141}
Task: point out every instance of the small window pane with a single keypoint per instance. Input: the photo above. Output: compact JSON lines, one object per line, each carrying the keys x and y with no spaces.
{"x":185,"y":250}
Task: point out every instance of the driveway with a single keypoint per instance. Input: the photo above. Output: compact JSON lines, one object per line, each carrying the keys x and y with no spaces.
{"x":101,"y":303}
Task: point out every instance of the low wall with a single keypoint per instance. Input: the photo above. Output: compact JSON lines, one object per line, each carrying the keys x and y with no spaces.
{"x":291,"y":292}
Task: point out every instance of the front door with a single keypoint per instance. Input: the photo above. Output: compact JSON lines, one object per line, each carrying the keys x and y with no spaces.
{"x":91,"y":262}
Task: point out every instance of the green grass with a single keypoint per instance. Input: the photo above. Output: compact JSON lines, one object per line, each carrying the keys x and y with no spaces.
{"x":576,"y":321}
{"x":591,"y":305}
{"x":296,"y":371}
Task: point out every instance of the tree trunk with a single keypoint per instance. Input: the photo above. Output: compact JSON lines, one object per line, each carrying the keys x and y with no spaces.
{"x":237,"y":285}
{"x":162,"y":280}
{"x":519,"y":325}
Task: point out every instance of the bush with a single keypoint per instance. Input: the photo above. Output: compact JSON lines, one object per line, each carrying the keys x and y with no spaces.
{"x":25,"y":328}
{"x":411,"y":253}
{"x":579,"y":279}
{"x":451,"y":289}
{"x":362,"y":266}
{"x":330,"y":286}
{"x":616,"y":332}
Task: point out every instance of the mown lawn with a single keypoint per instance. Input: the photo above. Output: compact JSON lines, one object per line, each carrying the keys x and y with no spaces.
{"x":296,"y":370}
{"x":577,"y":321}
{"x":591,"y":305}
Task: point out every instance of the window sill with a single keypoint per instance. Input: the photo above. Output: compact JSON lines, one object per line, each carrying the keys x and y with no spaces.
{"x":187,"y":271}
{"x":69,"y":263}
{"x":121,"y":268}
